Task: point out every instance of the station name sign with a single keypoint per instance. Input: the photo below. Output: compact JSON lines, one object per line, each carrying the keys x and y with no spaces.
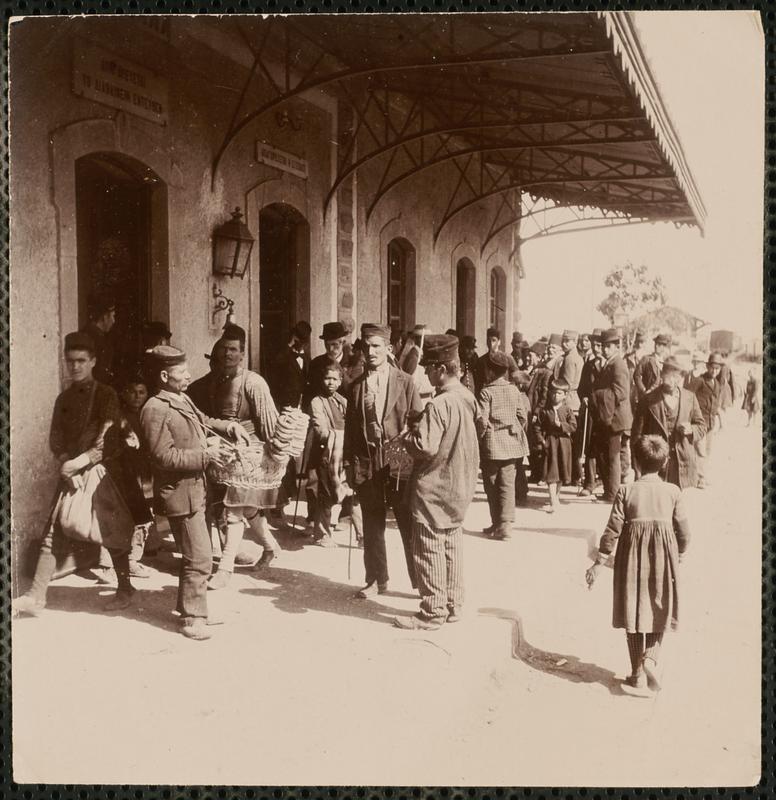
{"x":288,"y":162}
{"x":102,"y":76}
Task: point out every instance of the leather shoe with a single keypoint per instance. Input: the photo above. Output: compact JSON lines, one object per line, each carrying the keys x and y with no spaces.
{"x":453,"y":615}
{"x":121,"y":600}
{"x":267,"y":557}
{"x":370,"y":590}
{"x":417,"y":623}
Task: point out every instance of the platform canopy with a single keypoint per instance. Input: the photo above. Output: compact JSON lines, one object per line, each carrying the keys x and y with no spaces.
{"x":560,"y":107}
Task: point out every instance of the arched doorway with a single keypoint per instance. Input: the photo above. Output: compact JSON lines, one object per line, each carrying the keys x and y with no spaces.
{"x":497,"y":314}
{"x":401,"y":284}
{"x":284,"y":277}
{"x":465,"y":297}
{"x":121,"y":240}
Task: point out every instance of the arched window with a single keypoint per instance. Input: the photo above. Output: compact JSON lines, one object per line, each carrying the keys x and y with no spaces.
{"x":401,"y":284}
{"x":465,"y":297}
{"x":497,"y":315}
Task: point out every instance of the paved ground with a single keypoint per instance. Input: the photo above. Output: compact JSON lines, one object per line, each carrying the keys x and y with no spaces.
{"x":304,"y":684}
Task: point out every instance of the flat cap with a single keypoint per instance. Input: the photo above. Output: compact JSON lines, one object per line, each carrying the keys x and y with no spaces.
{"x":439,"y":347}
{"x":560,"y":384}
{"x":375,"y":329}
{"x":498,"y":361}
{"x":163,"y":356}
{"x":662,"y":338}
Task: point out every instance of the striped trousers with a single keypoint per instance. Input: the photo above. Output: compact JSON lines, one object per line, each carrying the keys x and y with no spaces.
{"x":438,"y":569}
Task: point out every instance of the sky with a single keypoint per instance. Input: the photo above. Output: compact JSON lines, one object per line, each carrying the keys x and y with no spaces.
{"x":708,"y":66}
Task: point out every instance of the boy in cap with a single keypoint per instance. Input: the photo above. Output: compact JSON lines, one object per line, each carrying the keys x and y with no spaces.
{"x":176,"y":433}
{"x":443,"y":445}
{"x":493,"y":341}
{"x":707,"y":392}
{"x":674,"y":414}
{"x":84,"y":432}
{"x":384,"y":401}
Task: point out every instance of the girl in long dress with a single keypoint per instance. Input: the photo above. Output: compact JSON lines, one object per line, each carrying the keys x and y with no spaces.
{"x":649,"y":529}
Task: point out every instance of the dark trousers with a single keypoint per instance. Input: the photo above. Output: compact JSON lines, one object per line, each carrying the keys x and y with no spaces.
{"x":376,"y":495}
{"x":625,"y":453}
{"x":498,"y":478}
{"x":521,"y":483}
{"x":56,"y":545}
{"x":608,"y":450}
{"x":191,"y":531}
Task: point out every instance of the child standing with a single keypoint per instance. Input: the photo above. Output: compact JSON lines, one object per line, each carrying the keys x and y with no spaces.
{"x":557,"y":425}
{"x":328,"y":409}
{"x":649,"y":528}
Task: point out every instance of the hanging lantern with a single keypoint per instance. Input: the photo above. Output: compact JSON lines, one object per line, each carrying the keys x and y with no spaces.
{"x":232,"y":245}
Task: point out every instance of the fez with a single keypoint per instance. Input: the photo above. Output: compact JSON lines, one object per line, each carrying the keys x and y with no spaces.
{"x":79,"y":341}
{"x":555,"y":338}
{"x":498,"y":361}
{"x":610,"y":336}
{"x":439,"y":348}
{"x":164,"y":356}
{"x":715,"y":358}
{"x":596,"y":334}
{"x":559,"y":384}
{"x":333,"y":330}
{"x":672,"y":364}
{"x":493,"y":333}
{"x":663,"y":339}
{"x":369,"y":329}
{"x":567,"y":334}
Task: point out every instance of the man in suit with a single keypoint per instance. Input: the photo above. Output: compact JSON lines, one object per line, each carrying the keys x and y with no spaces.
{"x":674,"y":414}
{"x":612,"y":413}
{"x":290,"y":368}
{"x":646,"y":375}
{"x":175,"y":435}
{"x":591,"y":369}
{"x":383,"y":402}
{"x":335,"y":339}
{"x":707,"y":392}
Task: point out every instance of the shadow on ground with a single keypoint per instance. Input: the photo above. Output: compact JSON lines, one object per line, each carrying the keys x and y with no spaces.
{"x":566,"y":667}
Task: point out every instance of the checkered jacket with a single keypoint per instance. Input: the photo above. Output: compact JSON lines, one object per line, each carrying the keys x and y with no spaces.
{"x":503,"y":417}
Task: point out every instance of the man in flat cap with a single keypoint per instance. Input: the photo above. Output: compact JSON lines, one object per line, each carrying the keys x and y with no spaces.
{"x":646,"y":376}
{"x":176,"y":437}
{"x":674,"y":414}
{"x":443,"y":445}
{"x":84,"y":433}
{"x":384,"y":401}
{"x":236,"y":393}
{"x":707,"y":392}
{"x":493,"y":341}
{"x":612,"y":413}
{"x":102,"y":318}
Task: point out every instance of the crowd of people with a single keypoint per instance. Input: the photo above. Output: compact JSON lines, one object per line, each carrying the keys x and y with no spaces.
{"x":391,"y":421}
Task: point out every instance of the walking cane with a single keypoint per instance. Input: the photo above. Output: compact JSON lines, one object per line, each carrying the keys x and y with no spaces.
{"x":350,"y":544}
{"x":583,"y":455}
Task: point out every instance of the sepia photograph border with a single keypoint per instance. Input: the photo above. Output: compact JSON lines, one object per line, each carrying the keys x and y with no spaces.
{"x":767,"y":785}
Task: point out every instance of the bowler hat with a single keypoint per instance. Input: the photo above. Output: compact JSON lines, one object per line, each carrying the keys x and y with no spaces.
{"x":672,"y":363}
{"x":610,"y":336}
{"x":662,"y":339}
{"x":439,"y":348}
{"x":78,"y":340}
{"x":333,"y":330}
{"x":715,"y":358}
{"x":302,"y":331}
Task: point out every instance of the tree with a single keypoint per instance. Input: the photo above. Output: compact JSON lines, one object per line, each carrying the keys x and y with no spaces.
{"x":633,"y":291}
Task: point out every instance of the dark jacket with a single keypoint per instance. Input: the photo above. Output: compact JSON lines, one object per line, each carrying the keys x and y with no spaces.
{"x":539,"y":388}
{"x":646,"y":376}
{"x":610,"y":400}
{"x":707,"y":393}
{"x":316,"y":371}
{"x":176,"y":444}
{"x":402,"y":406}
{"x":650,"y":420}
{"x":287,"y":379}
